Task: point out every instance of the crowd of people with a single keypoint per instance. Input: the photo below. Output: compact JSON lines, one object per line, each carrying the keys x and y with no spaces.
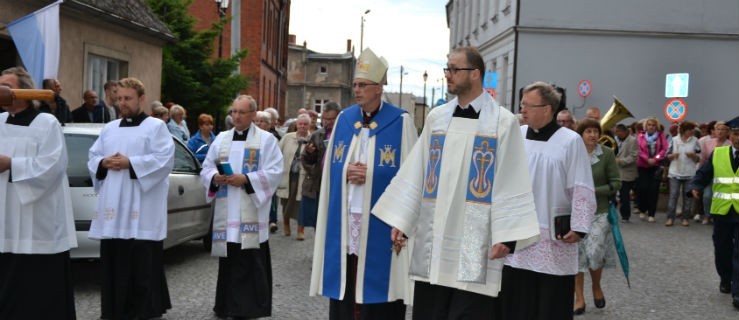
{"x":448,"y":221}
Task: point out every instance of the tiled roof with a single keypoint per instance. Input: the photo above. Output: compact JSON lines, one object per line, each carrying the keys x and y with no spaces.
{"x":123,"y":12}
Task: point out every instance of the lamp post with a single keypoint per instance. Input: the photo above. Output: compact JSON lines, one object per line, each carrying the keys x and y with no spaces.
{"x":423,"y":120}
{"x":221,"y":6}
{"x":361,"y":32}
{"x":400,"y":96}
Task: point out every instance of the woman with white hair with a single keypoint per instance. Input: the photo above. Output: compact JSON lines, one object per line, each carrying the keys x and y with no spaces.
{"x":292,"y":145}
{"x":177,"y":125}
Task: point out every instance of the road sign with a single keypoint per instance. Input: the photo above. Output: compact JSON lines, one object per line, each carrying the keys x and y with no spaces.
{"x":584,"y":88}
{"x":491,"y":80}
{"x":491,"y":91}
{"x":676,"y":109}
{"x":440,"y":102}
{"x":676,"y":85}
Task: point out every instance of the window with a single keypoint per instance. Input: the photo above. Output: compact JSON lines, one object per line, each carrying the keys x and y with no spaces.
{"x":103,"y":64}
{"x":324,"y":69}
{"x":184,"y":162}
{"x":78,"y":147}
{"x":100,"y":69}
{"x":318,"y":104}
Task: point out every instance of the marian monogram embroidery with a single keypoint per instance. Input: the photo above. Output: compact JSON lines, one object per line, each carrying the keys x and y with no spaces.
{"x":387,"y":156}
{"x":480,"y":179}
{"x":436,"y":147}
{"x":251,"y":160}
{"x":339,"y":152}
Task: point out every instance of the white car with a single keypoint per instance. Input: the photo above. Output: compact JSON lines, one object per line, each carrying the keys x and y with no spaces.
{"x":188,"y":214}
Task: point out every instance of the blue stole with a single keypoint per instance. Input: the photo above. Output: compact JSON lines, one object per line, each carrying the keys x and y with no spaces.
{"x":387,"y":128}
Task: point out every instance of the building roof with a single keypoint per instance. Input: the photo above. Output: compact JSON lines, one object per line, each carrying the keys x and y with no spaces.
{"x":313,"y":55}
{"x":126,"y":13}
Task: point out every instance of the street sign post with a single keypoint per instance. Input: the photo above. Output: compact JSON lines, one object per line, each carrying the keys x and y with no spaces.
{"x":490,"y":80}
{"x":584,"y":88}
{"x":676,"y":85}
{"x":491,"y":91}
{"x":675,"y":110}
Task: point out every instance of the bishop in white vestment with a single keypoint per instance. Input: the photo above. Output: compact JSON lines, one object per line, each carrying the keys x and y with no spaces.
{"x":36,"y":222}
{"x":241,"y":219}
{"x":465,"y":198}
{"x":353,"y":263}
{"x":130,"y":163}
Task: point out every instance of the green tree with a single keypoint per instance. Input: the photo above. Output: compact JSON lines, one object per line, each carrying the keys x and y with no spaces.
{"x":190,"y":76}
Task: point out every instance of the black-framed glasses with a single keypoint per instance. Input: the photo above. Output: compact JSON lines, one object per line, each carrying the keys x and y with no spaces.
{"x":455,"y":70}
{"x":362,"y":85}
{"x":523,"y":105}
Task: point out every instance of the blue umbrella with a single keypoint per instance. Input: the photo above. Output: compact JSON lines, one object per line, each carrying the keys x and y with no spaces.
{"x":619,"y":241}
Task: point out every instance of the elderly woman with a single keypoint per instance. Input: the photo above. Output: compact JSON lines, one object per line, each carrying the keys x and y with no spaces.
{"x":292,"y":145}
{"x":597,"y":249}
{"x":652,"y":150}
{"x":160,"y":112}
{"x":200,"y":142}
{"x":683,"y":156}
{"x":177,"y":125}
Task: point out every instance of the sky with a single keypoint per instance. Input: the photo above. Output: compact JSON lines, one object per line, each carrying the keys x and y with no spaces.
{"x":408,"y":33}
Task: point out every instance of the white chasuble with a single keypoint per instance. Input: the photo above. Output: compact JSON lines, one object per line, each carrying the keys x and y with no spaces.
{"x":461,"y":190}
{"x":132,"y":208}
{"x":242,"y":217}
{"x":35,"y":207}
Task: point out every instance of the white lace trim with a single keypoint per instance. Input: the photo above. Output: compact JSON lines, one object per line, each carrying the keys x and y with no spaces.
{"x":355,"y":225}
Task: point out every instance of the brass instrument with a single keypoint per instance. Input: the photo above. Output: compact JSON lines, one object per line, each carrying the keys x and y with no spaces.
{"x":615,"y":114}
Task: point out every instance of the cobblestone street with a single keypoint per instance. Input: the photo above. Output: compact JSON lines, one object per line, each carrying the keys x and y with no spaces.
{"x":672,"y":277}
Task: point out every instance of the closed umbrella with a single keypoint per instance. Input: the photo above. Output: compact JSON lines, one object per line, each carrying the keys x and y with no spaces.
{"x":619,"y":241}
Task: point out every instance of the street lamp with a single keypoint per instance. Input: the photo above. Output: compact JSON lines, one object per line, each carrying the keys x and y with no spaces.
{"x":423,"y":120}
{"x":361,"y":32}
{"x":221,"y":7}
{"x":400,"y":96}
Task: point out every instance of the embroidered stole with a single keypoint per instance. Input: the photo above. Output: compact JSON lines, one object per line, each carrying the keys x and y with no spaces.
{"x":249,"y":222}
{"x":475,"y":237}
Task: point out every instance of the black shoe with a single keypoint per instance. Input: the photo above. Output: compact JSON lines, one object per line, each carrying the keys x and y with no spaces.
{"x":600,"y":303}
{"x":735,"y":301}
{"x":724,"y":287}
{"x":580,"y":311}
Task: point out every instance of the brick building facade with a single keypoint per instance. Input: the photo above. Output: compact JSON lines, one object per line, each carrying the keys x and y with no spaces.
{"x":261,"y":27}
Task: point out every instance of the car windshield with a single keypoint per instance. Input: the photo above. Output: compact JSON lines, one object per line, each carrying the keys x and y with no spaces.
{"x":78,"y":145}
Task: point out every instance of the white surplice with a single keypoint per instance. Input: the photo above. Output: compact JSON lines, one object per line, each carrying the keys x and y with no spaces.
{"x":563,"y":182}
{"x":35,"y":208}
{"x":447,"y":227}
{"x":264,"y":180}
{"x":132,"y":208}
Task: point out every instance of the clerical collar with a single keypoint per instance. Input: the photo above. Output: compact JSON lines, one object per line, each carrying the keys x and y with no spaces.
{"x":240,"y":135}
{"x":472,"y":110}
{"x":368,"y":116}
{"x":133,"y":121}
{"x":544,"y":133}
{"x":23,"y":118}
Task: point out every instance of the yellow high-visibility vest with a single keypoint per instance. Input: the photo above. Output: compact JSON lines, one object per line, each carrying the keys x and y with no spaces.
{"x":725,"y":182}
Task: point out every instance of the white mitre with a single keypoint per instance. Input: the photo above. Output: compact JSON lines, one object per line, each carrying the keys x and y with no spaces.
{"x":371,"y":67}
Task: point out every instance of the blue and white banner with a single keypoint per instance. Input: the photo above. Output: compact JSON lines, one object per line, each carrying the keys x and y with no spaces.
{"x":37,"y":38}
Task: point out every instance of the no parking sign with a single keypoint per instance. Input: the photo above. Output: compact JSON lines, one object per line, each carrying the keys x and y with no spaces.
{"x":584,"y":88}
{"x":676,"y":109}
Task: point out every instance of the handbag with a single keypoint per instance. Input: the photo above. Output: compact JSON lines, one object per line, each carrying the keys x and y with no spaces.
{"x":295,"y":165}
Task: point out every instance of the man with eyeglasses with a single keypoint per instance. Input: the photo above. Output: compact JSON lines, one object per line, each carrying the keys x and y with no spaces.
{"x":539,"y":281}
{"x":464,"y":197}
{"x":353,"y":262}
{"x":566,"y":119}
{"x":241,"y":173}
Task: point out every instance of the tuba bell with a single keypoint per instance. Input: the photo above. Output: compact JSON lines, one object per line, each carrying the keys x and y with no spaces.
{"x":615,"y":114}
